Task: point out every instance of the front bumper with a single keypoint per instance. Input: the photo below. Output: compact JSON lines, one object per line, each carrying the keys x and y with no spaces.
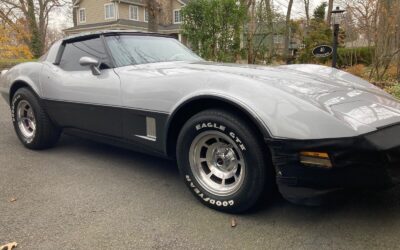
{"x":367,"y":161}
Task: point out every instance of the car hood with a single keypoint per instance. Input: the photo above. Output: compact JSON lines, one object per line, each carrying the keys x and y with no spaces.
{"x":347,"y":97}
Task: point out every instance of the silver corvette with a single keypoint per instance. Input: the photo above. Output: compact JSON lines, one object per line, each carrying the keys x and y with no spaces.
{"x":236,"y":131}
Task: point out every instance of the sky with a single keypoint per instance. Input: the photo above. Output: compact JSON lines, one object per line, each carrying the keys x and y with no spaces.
{"x":61,"y":19}
{"x":298,"y":7}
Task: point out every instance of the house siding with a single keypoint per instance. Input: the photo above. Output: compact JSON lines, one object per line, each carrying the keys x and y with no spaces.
{"x":95,"y":16}
{"x":175,"y":5}
{"x":124,"y":11}
{"x":94,"y":11}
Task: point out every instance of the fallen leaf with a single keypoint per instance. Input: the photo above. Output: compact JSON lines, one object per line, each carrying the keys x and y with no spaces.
{"x":233,"y":222}
{"x":9,"y":246}
{"x":12,"y":200}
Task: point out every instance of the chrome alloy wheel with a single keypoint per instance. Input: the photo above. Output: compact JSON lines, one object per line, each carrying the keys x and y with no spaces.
{"x":217,"y":163}
{"x":26,"y":120}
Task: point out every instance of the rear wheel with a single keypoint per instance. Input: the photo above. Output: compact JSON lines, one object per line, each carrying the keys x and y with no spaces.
{"x":31,"y":123}
{"x":222,"y":161}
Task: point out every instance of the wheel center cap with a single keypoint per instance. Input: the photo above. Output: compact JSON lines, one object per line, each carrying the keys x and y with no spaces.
{"x":225,"y":159}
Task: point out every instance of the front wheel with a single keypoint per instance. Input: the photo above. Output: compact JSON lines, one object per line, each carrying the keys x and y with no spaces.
{"x":222,"y":161}
{"x":31,"y":123}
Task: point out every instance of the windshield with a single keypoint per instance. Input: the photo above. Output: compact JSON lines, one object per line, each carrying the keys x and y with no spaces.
{"x":129,"y":49}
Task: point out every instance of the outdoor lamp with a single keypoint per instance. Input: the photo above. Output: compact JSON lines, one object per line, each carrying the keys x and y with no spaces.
{"x":337,"y":16}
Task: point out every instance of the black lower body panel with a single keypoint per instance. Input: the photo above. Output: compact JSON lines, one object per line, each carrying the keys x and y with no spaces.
{"x":111,"y":124}
{"x":371,"y":161}
{"x":115,"y":141}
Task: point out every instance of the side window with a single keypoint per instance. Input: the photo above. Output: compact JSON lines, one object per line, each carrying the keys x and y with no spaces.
{"x":74,"y":51}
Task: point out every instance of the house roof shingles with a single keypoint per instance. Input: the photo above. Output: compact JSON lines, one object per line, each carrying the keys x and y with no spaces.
{"x":140,"y":2}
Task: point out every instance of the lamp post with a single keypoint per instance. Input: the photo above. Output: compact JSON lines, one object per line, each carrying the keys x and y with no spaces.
{"x":336,"y":18}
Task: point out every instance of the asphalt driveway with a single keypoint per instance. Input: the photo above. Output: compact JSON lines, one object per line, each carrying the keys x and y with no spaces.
{"x":84,"y":195}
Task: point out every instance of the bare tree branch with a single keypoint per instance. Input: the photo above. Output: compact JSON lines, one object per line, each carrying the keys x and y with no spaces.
{"x":35,"y":13}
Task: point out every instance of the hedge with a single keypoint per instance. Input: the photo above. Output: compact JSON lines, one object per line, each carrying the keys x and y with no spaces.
{"x":394,"y":90}
{"x":352,"y":56}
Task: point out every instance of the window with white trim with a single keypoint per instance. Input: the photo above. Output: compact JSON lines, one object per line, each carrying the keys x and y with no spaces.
{"x":133,"y":12}
{"x":177,"y":16}
{"x":109,"y":11}
{"x":146,"y":15}
{"x":82,"y":15}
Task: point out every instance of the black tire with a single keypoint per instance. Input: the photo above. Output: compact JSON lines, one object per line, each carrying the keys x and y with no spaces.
{"x":45,"y":134}
{"x":220,"y":123}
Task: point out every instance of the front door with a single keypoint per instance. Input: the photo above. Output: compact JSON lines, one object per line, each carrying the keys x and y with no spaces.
{"x":76,"y":98}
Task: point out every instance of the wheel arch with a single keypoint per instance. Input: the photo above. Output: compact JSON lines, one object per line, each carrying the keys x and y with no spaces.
{"x":17,"y":84}
{"x":200,"y":103}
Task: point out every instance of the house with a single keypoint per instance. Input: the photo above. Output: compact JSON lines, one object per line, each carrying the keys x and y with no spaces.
{"x":267,"y":37}
{"x":93,"y":15}
{"x":358,"y":41}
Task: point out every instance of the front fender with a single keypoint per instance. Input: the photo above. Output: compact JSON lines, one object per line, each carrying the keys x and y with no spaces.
{"x":26,"y":74}
{"x":222,"y":97}
{"x":277,"y":114}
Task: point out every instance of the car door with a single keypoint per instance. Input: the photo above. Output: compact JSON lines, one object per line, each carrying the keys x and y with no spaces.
{"x":77,"y":98}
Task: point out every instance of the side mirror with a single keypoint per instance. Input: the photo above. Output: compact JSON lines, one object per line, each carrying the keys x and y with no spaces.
{"x":93,"y":63}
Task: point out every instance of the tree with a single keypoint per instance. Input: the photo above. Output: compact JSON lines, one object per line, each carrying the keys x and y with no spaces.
{"x":153,"y":8}
{"x":387,"y":47}
{"x":35,"y":14}
{"x":318,"y":33}
{"x":10,"y":42}
{"x":398,"y":45}
{"x":287,"y":31}
{"x":319,"y":12}
{"x":251,"y":30}
{"x":366,"y":14}
{"x":378,"y":22}
{"x":330,"y":8}
{"x":52,"y":35}
{"x":213,"y":28}
{"x":266,"y":30}
{"x":307,"y":11}
{"x":270,"y":16}
{"x":260,"y":15}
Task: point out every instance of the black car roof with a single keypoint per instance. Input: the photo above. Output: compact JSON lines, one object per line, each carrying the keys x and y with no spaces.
{"x":111,"y":32}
